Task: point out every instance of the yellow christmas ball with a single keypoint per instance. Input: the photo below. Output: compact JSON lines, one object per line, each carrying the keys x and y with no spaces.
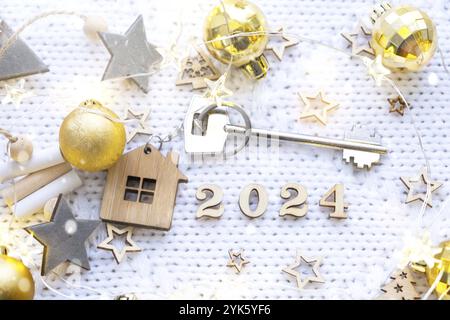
{"x":89,"y":140}
{"x":232,"y":17}
{"x":405,"y":37}
{"x":443,"y":265}
{"x":16,"y":281}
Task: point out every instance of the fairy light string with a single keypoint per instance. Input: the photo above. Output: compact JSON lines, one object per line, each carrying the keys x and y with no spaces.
{"x":179,"y":128}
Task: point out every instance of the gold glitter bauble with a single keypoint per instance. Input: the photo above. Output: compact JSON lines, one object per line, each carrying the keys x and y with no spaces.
{"x":90,"y":141}
{"x":16,"y":281}
{"x":443,"y":264}
{"x":405,"y":37}
{"x":232,"y":17}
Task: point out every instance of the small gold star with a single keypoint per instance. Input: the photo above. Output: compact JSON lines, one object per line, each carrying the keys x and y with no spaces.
{"x":142,"y":127}
{"x":376,"y":69}
{"x":217,"y":90}
{"x":410,"y":184}
{"x":16,"y":94}
{"x":397,"y":104}
{"x":314,"y":262}
{"x":278,"y":49}
{"x":130,"y":245}
{"x":352,"y":38}
{"x":320,"y":114}
{"x":236,"y":260}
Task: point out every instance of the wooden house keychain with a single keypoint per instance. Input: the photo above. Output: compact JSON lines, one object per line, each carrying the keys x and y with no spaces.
{"x":141,"y":188}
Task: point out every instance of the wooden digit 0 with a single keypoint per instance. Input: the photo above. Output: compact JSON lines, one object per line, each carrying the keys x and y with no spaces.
{"x":244,"y":200}
{"x":337,"y":193}
{"x":212,"y":207}
{"x":292,"y":207}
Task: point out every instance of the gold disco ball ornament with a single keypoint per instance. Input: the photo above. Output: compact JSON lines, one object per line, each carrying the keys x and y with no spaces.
{"x":89,"y":139}
{"x":16,"y":281}
{"x":404,"y":36}
{"x":443,"y":286}
{"x":232,"y":17}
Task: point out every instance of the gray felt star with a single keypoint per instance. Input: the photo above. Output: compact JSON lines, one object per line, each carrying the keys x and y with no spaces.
{"x":63,"y":238}
{"x":131,"y":54}
{"x":18,"y":60}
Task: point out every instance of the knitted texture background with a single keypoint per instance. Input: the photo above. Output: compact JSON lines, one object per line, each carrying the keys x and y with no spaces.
{"x":190,"y":260}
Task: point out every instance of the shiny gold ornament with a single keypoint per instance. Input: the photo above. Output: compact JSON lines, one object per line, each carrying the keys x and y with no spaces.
{"x":233,"y":17}
{"x":89,"y":140}
{"x":443,"y":285}
{"x":405,"y":37}
{"x":16,"y":281}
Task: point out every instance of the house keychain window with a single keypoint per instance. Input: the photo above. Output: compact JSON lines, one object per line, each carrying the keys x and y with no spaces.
{"x":140,"y":189}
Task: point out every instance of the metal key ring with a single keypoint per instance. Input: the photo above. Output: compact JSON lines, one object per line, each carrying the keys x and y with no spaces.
{"x":147,"y":148}
{"x":241,"y":111}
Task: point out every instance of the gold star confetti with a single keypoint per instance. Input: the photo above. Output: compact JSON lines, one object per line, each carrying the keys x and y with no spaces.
{"x":376,"y":69}
{"x":320,"y":113}
{"x":217,"y":90}
{"x":236,"y":261}
{"x":279,"y":48}
{"x":360,"y":31}
{"x":130,"y":245}
{"x":314,"y":262}
{"x":142,"y":127}
{"x":411,"y":185}
{"x":16,"y":94}
{"x":397,"y":104}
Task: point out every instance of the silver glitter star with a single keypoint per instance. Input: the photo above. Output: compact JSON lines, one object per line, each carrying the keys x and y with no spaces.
{"x":63,"y":238}
{"x":131,"y":54}
{"x":18,"y":60}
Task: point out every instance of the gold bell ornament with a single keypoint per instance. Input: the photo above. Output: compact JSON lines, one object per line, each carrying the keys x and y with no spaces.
{"x":90,"y":139}
{"x":442,"y":265}
{"x":405,"y":37}
{"x":232,"y":17}
{"x":16,"y":281}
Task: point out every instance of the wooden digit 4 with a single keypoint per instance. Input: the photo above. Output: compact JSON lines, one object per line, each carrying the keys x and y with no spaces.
{"x":244,"y":200}
{"x":211,"y":207}
{"x":292,"y":207}
{"x":337,"y":192}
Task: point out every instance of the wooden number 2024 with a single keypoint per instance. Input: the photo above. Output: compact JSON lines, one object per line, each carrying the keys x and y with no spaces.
{"x":296,"y":205}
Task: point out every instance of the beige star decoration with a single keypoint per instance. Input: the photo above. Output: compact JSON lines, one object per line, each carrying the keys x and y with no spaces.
{"x":278,"y":48}
{"x":411,"y":185}
{"x":217,"y":90}
{"x":16,"y":94}
{"x":142,"y":127}
{"x":361,"y":31}
{"x":397,"y":104}
{"x":317,"y":106}
{"x":130,"y":245}
{"x":314,"y":262}
{"x":236,"y":261}
{"x":376,"y":69}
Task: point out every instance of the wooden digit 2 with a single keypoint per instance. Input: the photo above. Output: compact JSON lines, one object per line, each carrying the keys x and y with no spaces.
{"x":244,"y":200}
{"x":213,"y":206}
{"x":292,"y":207}
{"x":337,"y":192}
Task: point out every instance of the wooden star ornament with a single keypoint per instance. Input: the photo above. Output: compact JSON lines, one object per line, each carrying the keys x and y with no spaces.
{"x":361,"y":31}
{"x":319,"y":112}
{"x":142,"y":127}
{"x":130,"y":245}
{"x":279,"y":48}
{"x":412,"y":182}
{"x":236,"y":261}
{"x":314,"y":262}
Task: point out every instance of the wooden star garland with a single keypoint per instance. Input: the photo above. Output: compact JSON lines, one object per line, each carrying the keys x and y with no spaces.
{"x":279,"y":48}
{"x":130,"y":245}
{"x":321,"y":113}
{"x":397,"y":104}
{"x":361,"y":31}
{"x":236,"y":261}
{"x":314,"y":262}
{"x":410,"y":184}
{"x":142,"y":127}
